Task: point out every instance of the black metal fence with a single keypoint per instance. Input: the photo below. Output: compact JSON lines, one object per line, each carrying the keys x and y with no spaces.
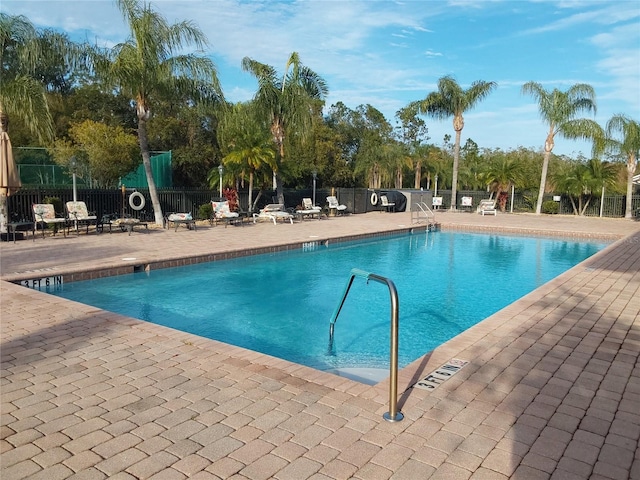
{"x":357,"y":200}
{"x":613,"y":206}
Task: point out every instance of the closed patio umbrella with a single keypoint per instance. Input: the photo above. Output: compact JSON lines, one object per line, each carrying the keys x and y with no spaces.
{"x":9,"y":178}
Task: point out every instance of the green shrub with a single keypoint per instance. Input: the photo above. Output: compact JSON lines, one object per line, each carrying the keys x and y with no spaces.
{"x":59,"y":209}
{"x":550,"y":207}
{"x":205,"y":211}
{"x":57,"y":205}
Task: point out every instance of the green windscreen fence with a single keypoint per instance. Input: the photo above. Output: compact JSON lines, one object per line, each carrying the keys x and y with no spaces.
{"x":36,"y":167}
{"x":162,"y":173}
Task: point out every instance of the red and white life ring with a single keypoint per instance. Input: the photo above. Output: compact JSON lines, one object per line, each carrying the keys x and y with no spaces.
{"x":132,"y":201}
{"x":374,"y":198}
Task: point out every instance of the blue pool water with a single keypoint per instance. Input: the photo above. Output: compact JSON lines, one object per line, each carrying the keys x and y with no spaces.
{"x":280,"y":304}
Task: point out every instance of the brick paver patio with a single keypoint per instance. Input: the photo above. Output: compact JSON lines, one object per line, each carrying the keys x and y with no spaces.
{"x":551,"y":391}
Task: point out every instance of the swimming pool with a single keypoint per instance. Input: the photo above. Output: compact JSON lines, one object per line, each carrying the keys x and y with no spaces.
{"x":280,"y":304}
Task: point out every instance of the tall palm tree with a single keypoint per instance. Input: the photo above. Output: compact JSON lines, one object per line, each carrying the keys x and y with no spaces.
{"x":24,"y":53}
{"x":21,"y":94}
{"x":286,"y":101}
{"x":452,"y":101}
{"x":559,"y":110}
{"x":245,"y":141}
{"x":623,"y":137}
{"x":146,"y":67}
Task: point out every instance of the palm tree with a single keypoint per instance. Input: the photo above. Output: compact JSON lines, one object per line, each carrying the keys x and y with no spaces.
{"x":412,"y":132}
{"x":145,"y":68}
{"x":438,"y":167}
{"x":628,"y":145}
{"x":559,"y":110}
{"x":419,"y":159}
{"x":24,"y":54}
{"x":22,"y":94}
{"x":286,"y":102}
{"x":376,"y":152}
{"x":400,"y":160}
{"x":452,"y":100}
{"x":502,"y":173}
{"x":245,"y":141}
{"x":582,"y":181}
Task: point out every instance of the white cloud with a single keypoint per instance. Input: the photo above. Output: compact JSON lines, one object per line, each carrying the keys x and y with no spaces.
{"x":620,"y":64}
{"x":612,"y":13}
{"x":386,"y":53}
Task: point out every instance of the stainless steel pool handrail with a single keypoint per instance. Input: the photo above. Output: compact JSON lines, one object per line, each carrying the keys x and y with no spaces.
{"x":429,"y":215}
{"x":393,"y":415}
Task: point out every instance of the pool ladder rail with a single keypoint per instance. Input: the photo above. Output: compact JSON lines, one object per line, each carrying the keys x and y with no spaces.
{"x":393,"y":415}
{"x":424,"y":214}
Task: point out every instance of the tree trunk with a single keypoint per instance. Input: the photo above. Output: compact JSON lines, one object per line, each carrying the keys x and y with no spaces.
{"x":501,"y":199}
{"x":279,"y":189}
{"x":250,"y":205}
{"x":277,"y":132}
{"x":146,"y":161}
{"x":631,"y":169}
{"x":573,"y":204}
{"x":454,"y":179}
{"x":4,"y":201}
{"x":418,"y":175}
{"x":584,"y":208}
{"x":255,"y":202}
{"x":548,"y":146}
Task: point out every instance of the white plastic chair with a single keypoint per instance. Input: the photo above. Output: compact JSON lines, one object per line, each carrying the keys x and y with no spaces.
{"x":385,"y":203}
{"x":335,"y":205}
{"x":487,"y":207}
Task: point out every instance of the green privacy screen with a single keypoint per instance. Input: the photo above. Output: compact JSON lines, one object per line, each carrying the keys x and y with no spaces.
{"x":36,"y":167}
{"x":162,"y":173}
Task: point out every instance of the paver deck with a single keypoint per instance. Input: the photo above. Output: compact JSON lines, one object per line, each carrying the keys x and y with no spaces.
{"x":552,"y":389}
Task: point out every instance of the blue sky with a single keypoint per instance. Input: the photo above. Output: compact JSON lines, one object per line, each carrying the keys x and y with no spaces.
{"x":389,"y":53}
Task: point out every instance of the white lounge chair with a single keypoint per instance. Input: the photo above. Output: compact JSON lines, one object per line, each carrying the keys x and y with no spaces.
{"x":178,"y":219}
{"x":126,"y":224}
{"x":487,"y":207}
{"x":309,"y":210}
{"x":335,"y":205}
{"x":45,"y":214}
{"x":466,"y":204}
{"x":79,"y":214}
{"x":273,"y":212}
{"x":385,"y":203}
{"x":221,"y":212}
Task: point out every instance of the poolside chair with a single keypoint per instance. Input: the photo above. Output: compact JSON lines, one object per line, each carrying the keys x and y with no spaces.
{"x":335,"y":206}
{"x":221,"y":212}
{"x":79,"y":215}
{"x":178,"y":219}
{"x":273,"y":212}
{"x":466,"y":204}
{"x":45,"y":215}
{"x":385,"y":203}
{"x":126,"y":224}
{"x":487,"y":207}
{"x":308,"y":210}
